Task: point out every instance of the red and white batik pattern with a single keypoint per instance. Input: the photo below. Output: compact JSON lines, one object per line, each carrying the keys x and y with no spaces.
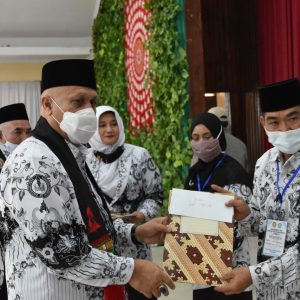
{"x":137,"y":64}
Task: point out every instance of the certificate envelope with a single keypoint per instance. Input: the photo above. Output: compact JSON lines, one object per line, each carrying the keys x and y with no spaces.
{"x":199,"y":226}
{"x":201,"y":205}
{"x":199,"y":248}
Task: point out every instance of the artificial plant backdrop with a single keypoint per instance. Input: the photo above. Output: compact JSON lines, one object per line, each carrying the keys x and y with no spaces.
{"x":167,"y":139}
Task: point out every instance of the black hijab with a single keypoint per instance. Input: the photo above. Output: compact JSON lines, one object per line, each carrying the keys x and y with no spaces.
{"x":229,"y":171}
{"x":214,"y":125}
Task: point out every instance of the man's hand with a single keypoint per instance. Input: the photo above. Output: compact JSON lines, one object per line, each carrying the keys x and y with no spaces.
{"x":147,"y":278}
{"x":153,"y":231}
{"x":236,"y":281}
{"x":136,"y":217}
{"x":240,"y":207}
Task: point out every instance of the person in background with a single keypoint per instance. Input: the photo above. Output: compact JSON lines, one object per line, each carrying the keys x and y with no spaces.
{"x":214,"y":166}
{"x":59,"y":239}
{"x":274,"y":209}
{"x":235,"y":147}
{"x":14,"y":128}
{"x":128,"y":177}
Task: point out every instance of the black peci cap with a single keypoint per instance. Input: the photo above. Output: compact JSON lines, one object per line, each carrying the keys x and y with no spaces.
{"x":67,"y":72}
{"x":279,"y":96}
{"x":13,"y":112}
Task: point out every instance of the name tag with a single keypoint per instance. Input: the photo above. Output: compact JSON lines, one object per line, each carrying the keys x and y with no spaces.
{"x":275,"y":238}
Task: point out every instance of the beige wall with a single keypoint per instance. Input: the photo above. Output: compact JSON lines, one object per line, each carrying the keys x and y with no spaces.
{"x":20,"y":72}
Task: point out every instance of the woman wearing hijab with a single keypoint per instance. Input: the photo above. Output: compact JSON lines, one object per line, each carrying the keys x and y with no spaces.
{"x":128,"y":177}
{"x":215,"y":167}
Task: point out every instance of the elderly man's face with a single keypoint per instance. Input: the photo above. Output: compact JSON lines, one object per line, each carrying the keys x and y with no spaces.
{"x":283,"y":120}
{"x":68,"y":98}
{"x":15,"y":131}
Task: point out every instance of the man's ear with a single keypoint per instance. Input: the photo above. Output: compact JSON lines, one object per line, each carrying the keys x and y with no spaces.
{"x":262,"y":120}
{"x":46,"y":105}
{"x":2,"y":139}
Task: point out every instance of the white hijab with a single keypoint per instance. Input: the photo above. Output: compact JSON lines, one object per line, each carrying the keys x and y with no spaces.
{"x":108,"y":176}
{"x":96,"y":142}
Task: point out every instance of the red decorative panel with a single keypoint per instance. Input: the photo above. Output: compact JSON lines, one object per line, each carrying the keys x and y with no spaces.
{"x":137,"y":63}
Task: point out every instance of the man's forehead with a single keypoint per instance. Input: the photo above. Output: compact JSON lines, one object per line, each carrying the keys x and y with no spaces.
{"x":283,"y":113}
{"x":71,"y":90}
{"x":16,"y":124}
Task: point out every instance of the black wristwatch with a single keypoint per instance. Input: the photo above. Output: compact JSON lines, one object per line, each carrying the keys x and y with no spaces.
{"x":133,"y":238}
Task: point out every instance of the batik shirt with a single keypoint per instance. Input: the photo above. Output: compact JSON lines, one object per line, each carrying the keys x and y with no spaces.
{"x":276,"y":278}
{"x":4,"y":150}
{"x":138,"y":188}
{"x":47,"y":253}
{"x":4,"y":153}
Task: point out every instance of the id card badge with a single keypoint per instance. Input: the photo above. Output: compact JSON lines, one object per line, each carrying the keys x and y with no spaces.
{"x":275,"y":238}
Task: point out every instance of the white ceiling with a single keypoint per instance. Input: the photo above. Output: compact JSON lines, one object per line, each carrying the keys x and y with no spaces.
{"x":41,"y":30}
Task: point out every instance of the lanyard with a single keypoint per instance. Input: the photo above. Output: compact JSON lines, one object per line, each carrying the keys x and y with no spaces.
{"x":288,"y":183}
{"x":210,"y":175}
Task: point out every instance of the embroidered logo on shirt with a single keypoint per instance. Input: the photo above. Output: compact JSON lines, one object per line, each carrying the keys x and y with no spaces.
{"x":39,"y":186}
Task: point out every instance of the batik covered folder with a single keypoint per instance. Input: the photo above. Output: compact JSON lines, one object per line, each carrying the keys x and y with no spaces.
{"x":197,"y":258}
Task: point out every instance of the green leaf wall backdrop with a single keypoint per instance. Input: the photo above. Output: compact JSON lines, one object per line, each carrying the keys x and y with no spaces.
{"x":167,"y":139}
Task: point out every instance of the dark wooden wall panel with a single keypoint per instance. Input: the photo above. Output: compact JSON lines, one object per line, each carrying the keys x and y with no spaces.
{"x":195,"y":56}
{"x":222,"y":48}
{"x":230,"y":47}
{"x":246,"y":44}
{"x":253,"y":129}
{"x":238,"y":112}
{"x":218,"y":46}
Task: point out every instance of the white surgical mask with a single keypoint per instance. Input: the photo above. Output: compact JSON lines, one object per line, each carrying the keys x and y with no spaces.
{"x":287,"y":142}
{"x":10,"y":146}
{"x":79,"y":126}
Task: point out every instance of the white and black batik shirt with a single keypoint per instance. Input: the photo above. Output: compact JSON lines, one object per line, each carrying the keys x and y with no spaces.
{"x":135,"y":185}
{"x":276,"y":278}
{"x":47,"y":253}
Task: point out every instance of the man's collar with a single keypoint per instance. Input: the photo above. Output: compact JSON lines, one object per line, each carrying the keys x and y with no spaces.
{"x":276,"y":154}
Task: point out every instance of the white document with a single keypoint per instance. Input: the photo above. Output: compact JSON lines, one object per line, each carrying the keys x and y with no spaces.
{"x":199,"y":226}
{"x":203,"y":205}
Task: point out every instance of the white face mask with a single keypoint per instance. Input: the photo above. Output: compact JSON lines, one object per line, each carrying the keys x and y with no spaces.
{"x":79,"y":126}
{"x":10,"y":146}
{"x":287,"y":142}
